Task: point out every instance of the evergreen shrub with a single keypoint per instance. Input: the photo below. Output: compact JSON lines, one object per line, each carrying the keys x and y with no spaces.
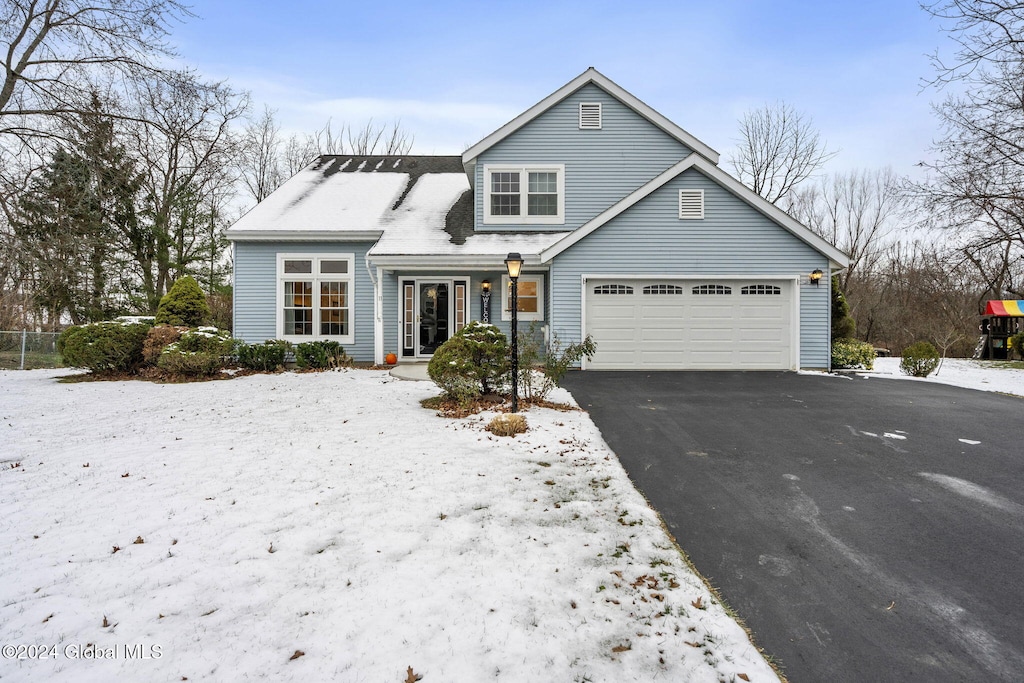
{"x":919,"y":359}
{"x":184,"y":305}
{"x":321,"y":355}
{"x":266,"y":357}
{"x":104,"y":347}
{"x":852,"y":353}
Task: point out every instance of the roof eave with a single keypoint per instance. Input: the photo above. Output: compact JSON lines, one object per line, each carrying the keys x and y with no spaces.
{"x":303,"y":235}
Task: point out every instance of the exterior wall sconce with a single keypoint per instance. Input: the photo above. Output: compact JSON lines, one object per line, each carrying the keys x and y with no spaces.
{"x":514,"y":264}
{"x":485,"y":301}
{"x":815,"y":276}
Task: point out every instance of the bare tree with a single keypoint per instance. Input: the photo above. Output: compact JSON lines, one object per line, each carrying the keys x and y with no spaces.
{"x":856,"y":211}
{"x":778,"y":149}
{"x":976,"y":187}
{"x":259,"y":156}
{"x":51,"y":49}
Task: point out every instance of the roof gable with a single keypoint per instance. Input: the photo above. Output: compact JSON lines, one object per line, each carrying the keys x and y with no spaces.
{"x":591,"y":75}
{"x":724,"y":180}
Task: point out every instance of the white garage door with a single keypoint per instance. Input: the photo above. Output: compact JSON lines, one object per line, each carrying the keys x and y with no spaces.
{"x":690,"y":324}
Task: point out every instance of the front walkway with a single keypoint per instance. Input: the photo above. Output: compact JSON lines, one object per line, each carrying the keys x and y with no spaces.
{"x":412,"y":371}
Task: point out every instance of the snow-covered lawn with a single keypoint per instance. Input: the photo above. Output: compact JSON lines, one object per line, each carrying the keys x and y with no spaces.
{"x":326,"y":527}
{"x":961,"y":372}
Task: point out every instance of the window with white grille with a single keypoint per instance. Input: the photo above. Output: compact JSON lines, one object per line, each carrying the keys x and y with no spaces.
{"x":613,"y":289}
{"x":691,"y":204}
{"x":712,"y":289}
{"x":761,"y":289}
{"x":590,"y":116}
{"x":663,"y":289}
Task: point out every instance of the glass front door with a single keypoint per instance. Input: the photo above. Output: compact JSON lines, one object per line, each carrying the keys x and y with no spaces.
{"x":433,"y":314}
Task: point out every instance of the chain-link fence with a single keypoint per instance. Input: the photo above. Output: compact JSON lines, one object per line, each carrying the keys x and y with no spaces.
{"x":26,"y":350}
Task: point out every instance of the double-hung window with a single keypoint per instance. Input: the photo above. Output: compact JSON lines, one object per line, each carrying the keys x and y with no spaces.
{"x":524,"y":194}
{"x":315,"y":294}
{"x":529,"y":297}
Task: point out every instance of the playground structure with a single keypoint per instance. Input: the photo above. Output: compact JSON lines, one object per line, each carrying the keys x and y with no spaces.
{"x":1002,"y":319}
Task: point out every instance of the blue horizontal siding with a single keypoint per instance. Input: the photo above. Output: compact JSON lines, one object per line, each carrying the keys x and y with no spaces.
{"x":601,"y":166}
{"x":732,"y":239}
{"x":255,"y":288}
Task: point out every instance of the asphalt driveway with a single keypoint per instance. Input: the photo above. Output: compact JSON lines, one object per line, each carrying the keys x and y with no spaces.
{"x":865,"y":529}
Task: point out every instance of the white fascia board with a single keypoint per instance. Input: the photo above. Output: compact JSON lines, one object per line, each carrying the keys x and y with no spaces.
{"x":617,"y":208}
{"x":773,"y":212}
{"x":836,"y":258}
{"x":591,"y":75}
{"x":303,"y":235}
{"x":448,"y":262}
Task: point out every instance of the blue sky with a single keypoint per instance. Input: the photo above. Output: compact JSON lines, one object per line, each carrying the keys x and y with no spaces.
{"x":455,"y":71}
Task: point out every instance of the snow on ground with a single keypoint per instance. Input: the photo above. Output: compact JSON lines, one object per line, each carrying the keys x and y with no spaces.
{"x":214,"y":531}
{"x":962,"y":372}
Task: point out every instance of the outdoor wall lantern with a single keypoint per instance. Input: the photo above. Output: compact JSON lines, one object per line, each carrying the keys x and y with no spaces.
{"x":485,"y":301}
{"x":815,"y":276}
{"x":514,"y":264}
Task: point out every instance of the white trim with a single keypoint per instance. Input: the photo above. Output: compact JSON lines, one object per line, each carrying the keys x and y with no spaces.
{"x":717,"y":175}
{"x":316,"y":277}
{"x":506,"y":313}
{"x":448,"y":262}
{"x":303,"y":235}
{"x":794,"y":330}
{"x":591,"y":75}
{"x":524,"y":170}
{"x":378,"y":316}
{"x":446,"y":279}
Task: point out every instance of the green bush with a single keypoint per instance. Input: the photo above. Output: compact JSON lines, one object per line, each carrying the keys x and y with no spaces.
{"x":852,"y":353}
{"x":1017,"y":344}
{"x":919,"y":360}
{"x":542,"y":366}
{"x":199,"y":352}
{"x":104,"y":347}
{"x":184,"y":305}
{"x":321,"y":355}
{"x":266,"y":357}
{"x":474,"y":361}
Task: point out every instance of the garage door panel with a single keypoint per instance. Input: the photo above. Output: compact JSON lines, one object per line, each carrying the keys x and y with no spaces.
{"x":687,"y":330}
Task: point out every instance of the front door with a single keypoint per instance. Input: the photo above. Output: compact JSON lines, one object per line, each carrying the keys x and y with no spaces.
{"x":433,"y":310}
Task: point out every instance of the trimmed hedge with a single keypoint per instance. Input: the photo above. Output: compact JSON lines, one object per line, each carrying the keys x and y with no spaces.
{"x":266,"y":357}
{"x":199,"y":352}
{"x":104,"y":347}
{"x":852,"y":353}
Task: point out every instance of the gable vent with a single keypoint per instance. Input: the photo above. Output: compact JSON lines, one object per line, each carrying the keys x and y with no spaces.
{"x":691,"y":204}
{"x":590,"y":116}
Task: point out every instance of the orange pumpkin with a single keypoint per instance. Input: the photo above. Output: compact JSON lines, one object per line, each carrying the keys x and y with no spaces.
{"x":391,"y":359}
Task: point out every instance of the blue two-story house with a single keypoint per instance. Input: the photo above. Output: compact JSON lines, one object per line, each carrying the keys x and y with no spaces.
{"x":630,"y":231}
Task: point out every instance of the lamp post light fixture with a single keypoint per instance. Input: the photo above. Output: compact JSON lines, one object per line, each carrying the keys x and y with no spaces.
{"x":815,"y":276}
{"x":514,"y":264}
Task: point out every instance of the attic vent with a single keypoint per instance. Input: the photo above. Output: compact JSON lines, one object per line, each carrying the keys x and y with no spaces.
{"x":590,"y":116}
{"x":691,"y":204}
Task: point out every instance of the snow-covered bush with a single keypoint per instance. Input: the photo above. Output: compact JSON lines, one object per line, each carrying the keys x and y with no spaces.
{"x":104,"y":347}
{"x":185,"y":304}
{"x":919,"y":360}
{"x":198,"y":352}
{"x":474,"y":361}
{"x":852,"y":353}
{"x":266,"y":357}
{"x":321,"y":355}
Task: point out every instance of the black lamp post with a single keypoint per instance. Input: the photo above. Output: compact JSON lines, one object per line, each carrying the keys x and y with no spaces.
{"x":514,"y":263}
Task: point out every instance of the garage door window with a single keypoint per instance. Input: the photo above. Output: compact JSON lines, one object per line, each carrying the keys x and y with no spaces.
{"x":663,"y":289}
{"x":613,"y":289}
{"x":712,"y":289}
{"x":770,"y":290}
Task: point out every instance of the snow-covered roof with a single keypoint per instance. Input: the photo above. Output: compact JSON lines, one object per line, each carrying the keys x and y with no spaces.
{"x":354,"y":196}
{"x":411,"y":206}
